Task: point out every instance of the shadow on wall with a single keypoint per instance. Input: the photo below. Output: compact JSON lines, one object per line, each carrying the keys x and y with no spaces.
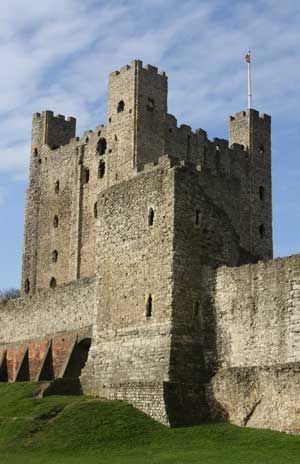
{"x":77,"y":359}
{"x":194,"y":360}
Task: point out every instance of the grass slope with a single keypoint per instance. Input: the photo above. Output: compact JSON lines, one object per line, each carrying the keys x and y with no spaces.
{"x":65,"y":430}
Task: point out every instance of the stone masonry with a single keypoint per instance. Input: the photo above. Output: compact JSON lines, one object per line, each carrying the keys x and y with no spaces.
{"x":147,"y":265}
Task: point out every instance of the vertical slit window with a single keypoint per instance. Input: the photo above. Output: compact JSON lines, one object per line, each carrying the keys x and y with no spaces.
{"x":150,"y":217}
{"x":262,"y":231}
{"x":149,"y":306}
{"x":261,"y":193}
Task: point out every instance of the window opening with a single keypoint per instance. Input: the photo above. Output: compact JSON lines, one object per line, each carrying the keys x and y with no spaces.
{"x":53,"y":282}
{"x":261,"y":230}
{"x":55,"y":221}
{"x":197,"y":217}
{"x":261,"y":150}
{"x":101,"y":169}
{"x":27,"y":286}
{"x":261,"y":193}
{"x":54,"y":256}
{"x":96,"y":210}
{"x":150,"y":217}
{"x":149,"y":306}
{"x":196,"y":308}
{"x":218,"y":160}
{"x":150,"y":104}
{"x":121,"y":106}
{"x":101,"y":147}
{"x":86,"y":175}
{"x":56,"y":188}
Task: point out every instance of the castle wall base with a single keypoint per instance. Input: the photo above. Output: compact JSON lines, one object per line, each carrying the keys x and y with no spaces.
{"x":258,"y":397}
{"x":172,"y":404}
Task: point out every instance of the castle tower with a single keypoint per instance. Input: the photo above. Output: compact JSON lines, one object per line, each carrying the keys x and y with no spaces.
{"x":48,"y":131}
{"x":253,"y":131}
{"x":137,"y":107}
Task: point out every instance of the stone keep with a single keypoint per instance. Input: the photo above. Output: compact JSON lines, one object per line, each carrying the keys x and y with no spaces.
{"x":147,"y":265}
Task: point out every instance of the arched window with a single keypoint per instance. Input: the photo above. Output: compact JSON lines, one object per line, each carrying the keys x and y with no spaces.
{"x":54,"y":256}
{"x":261,"y":150}
{"x":53,"y":282}
{"x":101,"y":147}
{"x":197,"y":217}
{"x":96,"y":210}
{"x":150,"y":217}
{"x":261,"y":230}
{"x":149,"y":306}
{"x":55,"y":221}
{"x":101,"y":169}
{"x":56,"y":187}
{"x":261,"y":193}
{"x":121,"y":106}
{"x":27,"y":286}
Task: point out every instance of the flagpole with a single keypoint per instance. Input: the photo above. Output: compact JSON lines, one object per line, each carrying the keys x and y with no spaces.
{"x":249,"y":81}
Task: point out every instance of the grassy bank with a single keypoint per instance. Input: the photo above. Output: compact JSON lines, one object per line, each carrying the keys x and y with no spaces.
{"x":65,"y":430}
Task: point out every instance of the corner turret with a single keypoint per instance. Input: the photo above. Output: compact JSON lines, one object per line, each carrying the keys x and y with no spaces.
{"x":253,"y":131}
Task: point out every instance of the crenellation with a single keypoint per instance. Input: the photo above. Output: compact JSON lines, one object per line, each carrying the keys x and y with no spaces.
{"x":150,"y":68}
{"x":125,"y":68}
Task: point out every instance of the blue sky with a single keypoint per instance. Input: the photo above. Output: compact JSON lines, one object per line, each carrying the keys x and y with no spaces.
{"x":57,"y":55}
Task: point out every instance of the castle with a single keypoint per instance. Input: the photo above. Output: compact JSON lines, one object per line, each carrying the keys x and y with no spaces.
{"x":147,"y":265}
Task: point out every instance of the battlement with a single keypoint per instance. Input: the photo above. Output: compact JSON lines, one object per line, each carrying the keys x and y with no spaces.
{"x":164,"y":161}
{"x":50,"y":114}
{"x":138,"y":64}
{"x":254,"y":114}
{"x":52,"y":130}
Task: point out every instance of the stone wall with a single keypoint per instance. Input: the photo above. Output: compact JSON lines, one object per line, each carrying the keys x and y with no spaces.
{"x":259,"y":397}
{"x":252,"y":348}
{"x":48,"y":312}
{"x":256,"y":313}
{"x":131,"y":337}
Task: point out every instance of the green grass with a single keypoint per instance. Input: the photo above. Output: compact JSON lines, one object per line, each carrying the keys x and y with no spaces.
{"x":73,"y":430}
